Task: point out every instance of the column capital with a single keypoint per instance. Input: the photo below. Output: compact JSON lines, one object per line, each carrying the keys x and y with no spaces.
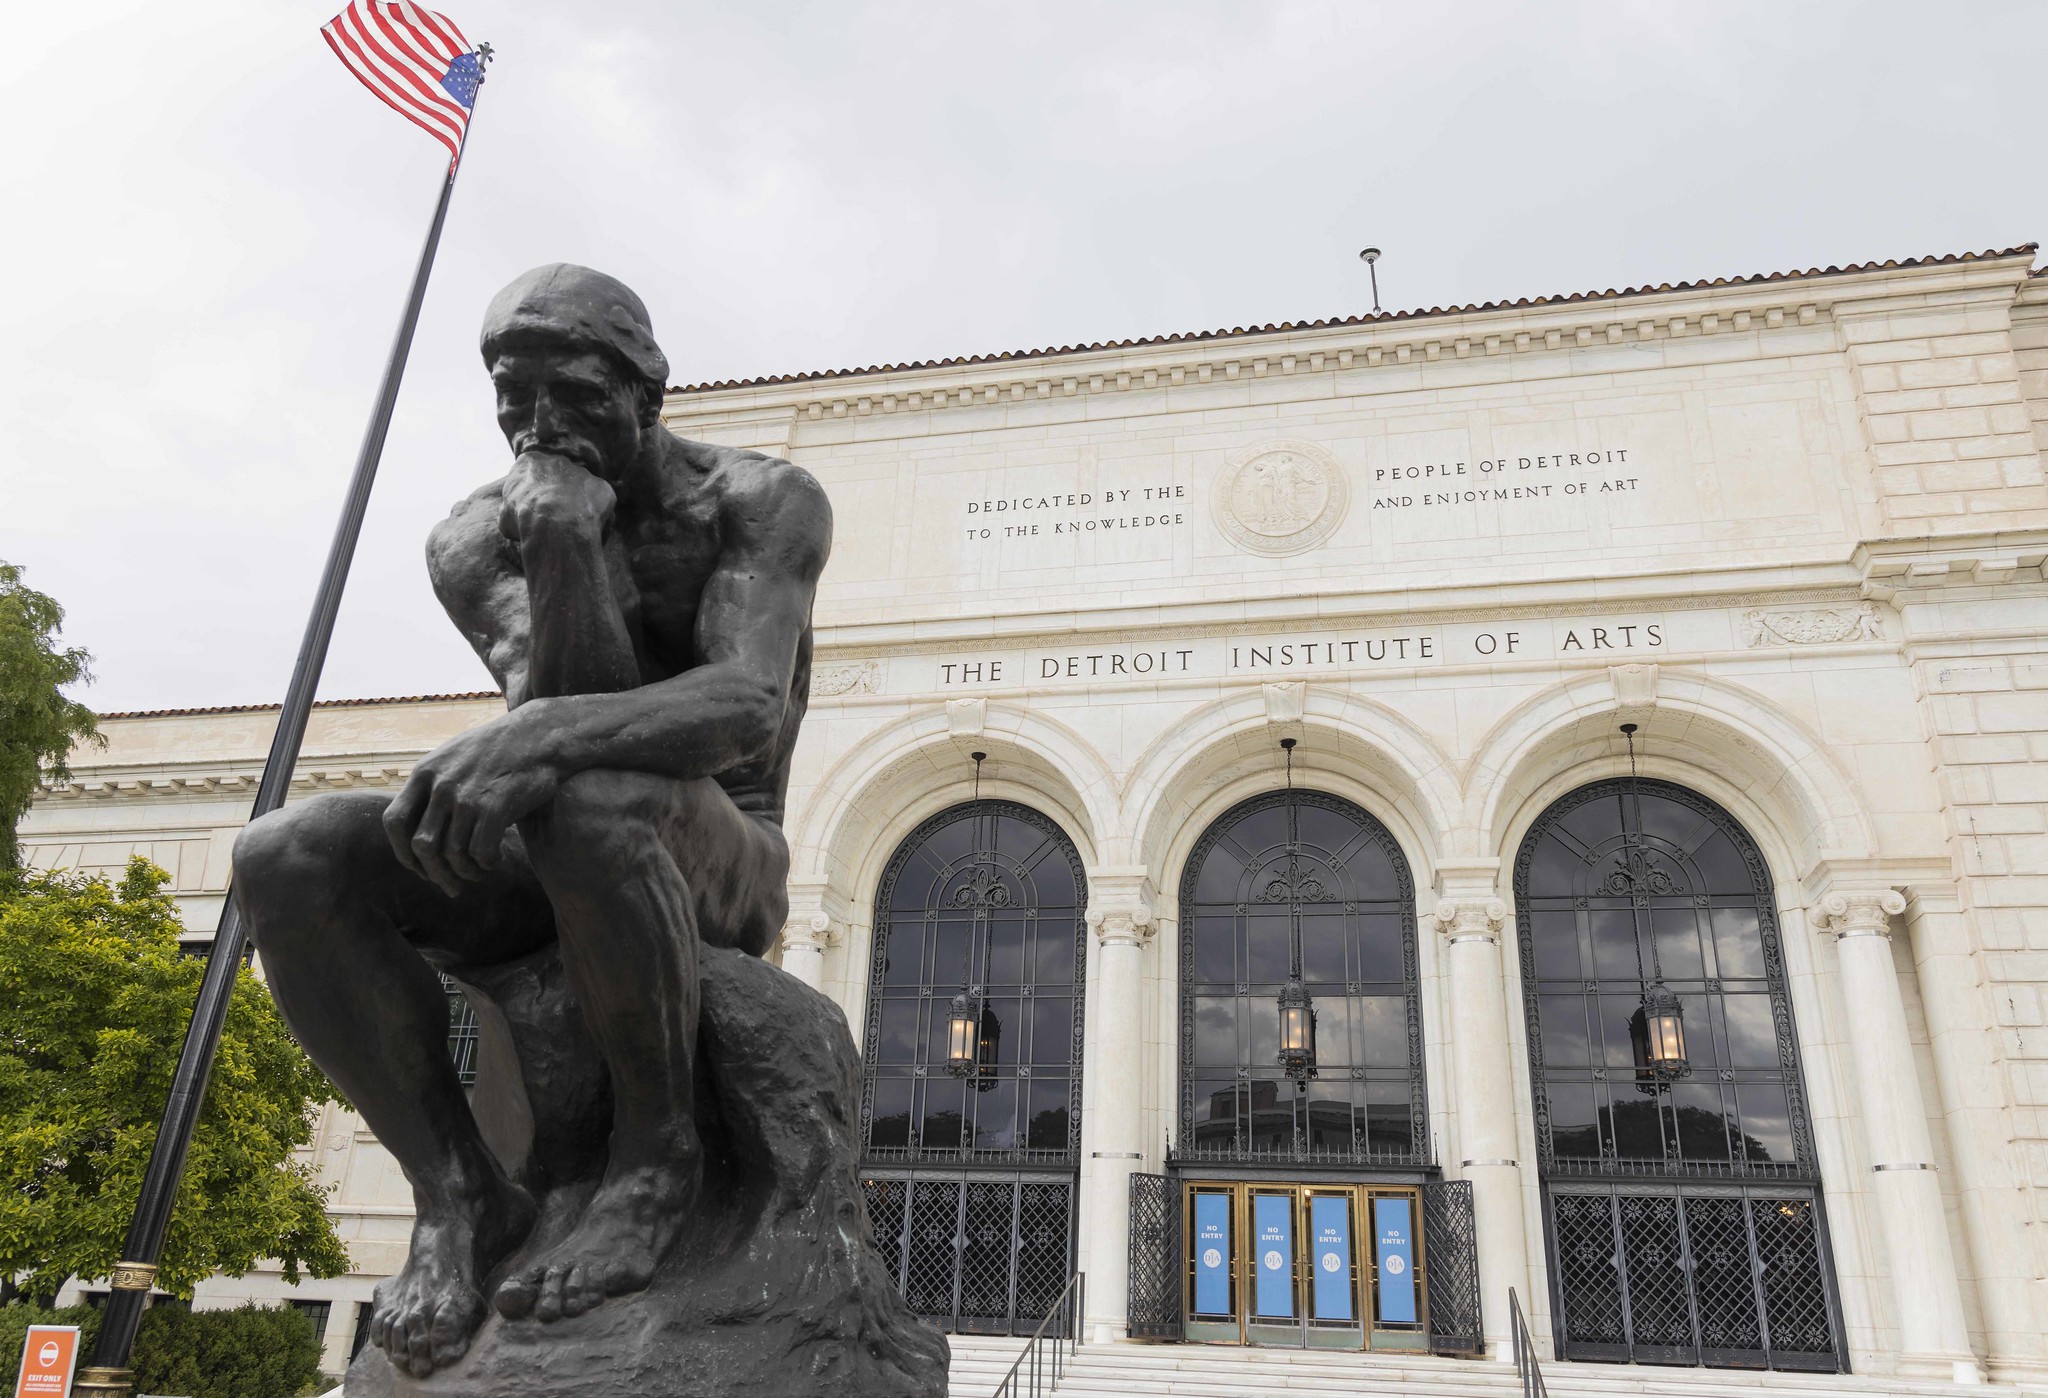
{"x":1122,"y":905}
{"x":1859,"y":912}
{"x":809,"y":931}
{"x":1471,"y":919}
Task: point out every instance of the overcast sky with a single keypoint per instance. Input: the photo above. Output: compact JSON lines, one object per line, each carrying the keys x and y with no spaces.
{"x":210,"y":227}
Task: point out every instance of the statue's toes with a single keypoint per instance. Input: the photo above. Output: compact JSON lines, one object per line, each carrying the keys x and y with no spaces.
{"x":454,"y":1322}
{"x":552,"y":1284}
{"x":624,"y":1275}
{"x":517,"y":1294}
{"x":419,"y":1343}
{"x":581,"y":1290}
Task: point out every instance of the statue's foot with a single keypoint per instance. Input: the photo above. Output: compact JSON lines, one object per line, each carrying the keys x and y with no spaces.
{"x":424,"y":1317}
{"x":626,"y":1230}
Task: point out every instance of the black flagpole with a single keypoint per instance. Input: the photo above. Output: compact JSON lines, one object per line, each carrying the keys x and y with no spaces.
{"x":109,"y":1375}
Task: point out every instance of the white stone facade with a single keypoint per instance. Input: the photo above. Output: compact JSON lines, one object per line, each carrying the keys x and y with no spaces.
{"x":1793,"y":527}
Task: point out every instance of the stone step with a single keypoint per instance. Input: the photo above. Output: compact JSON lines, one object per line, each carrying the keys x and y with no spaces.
{"x":1125,"y":1370}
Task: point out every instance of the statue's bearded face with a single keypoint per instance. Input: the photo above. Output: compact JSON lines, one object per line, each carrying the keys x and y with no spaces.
{"x":569,"y":402}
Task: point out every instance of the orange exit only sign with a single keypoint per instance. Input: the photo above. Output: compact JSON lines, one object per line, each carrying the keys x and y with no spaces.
{"x":47,"y":1358}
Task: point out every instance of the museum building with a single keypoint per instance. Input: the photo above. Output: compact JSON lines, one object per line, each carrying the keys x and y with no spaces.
{"x":1318,"y":825}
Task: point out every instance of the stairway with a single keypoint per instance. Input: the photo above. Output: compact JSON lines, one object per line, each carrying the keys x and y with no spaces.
{"x":1214,"y":1371}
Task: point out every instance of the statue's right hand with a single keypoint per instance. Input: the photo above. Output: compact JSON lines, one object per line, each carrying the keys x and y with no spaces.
{"x":547,"y":494}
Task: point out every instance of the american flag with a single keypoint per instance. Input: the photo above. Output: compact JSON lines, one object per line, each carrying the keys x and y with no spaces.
{"x":414,"y":59}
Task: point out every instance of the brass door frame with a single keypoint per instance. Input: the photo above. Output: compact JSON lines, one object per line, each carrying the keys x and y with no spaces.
{"x":1366,"y":1331}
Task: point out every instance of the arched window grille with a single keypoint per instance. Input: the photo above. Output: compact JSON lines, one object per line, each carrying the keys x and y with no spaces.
{"x":1681,"y":1192}
{"x":983,"y":902}
{"x":1300,"y":881}
{"x":1621,"y":882}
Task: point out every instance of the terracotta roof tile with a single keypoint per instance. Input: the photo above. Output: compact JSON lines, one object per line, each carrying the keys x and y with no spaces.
{"x":318,"y":704}
{"x":1381,"y":318}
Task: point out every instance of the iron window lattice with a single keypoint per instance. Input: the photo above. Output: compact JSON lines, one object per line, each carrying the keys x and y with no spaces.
{"x":1733,"y":983}
{"x":975,"y":1251}
{"x":1726,"y":1262}
{"x":996,"y":877}
{"x":1348,"y":900}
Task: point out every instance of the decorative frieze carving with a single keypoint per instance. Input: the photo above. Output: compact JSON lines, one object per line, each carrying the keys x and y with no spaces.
{"x":1812,"y":626}
{"x":860,"y":677}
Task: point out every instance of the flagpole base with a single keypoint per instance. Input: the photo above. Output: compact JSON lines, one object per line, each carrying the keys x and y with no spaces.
{"x":99,"y":1381}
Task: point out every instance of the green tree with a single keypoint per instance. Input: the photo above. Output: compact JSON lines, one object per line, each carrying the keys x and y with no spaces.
{"x":38,"y":725}
{"x":94,"y":999}
{"x":248,"y":1352}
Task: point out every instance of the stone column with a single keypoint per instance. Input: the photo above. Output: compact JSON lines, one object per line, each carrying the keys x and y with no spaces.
{"x":1933,"y":1339}
{"x":1969,"y":1087}
{"x":1471,"y":926}
{"x":804,"y":939}
{"x":1120,"y":914}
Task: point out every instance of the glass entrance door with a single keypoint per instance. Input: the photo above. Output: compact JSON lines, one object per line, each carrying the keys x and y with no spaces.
{"x":1326,"y":1266}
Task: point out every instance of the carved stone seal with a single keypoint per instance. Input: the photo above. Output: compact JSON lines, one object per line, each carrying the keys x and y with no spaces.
{"x":1280,"y":498}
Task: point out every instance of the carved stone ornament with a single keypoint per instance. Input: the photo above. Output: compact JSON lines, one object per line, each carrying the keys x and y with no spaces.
{"x":1812,"y":626}
{"x":1125,"y":923}
{"x":1860,"y":912}
{"x":809,"y":932}
{"x":1459,"y":918}
{"x":831,"y":681}
{"x":1280,"y":498}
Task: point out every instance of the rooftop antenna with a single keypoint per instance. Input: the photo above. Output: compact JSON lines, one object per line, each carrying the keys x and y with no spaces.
{"x":1371,"y":256}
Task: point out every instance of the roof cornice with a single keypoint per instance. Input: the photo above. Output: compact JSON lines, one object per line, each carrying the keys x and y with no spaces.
{"x":1668,"y":311}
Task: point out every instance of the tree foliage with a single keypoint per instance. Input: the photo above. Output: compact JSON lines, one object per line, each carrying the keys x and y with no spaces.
{"x":248,"y":1352}
{"x":94,"y":1000}
{"x":38,"y":725}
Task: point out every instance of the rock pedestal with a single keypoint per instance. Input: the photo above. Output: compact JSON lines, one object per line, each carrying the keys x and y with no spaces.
{"x":774,"y":1288}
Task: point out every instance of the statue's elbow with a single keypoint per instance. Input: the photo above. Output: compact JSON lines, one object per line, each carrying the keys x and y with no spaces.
{"x":762,"y":711}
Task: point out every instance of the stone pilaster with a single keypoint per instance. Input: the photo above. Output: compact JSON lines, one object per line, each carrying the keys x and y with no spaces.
{"x":1471,"y":920}
{"x":1933,"y":1338}
{"x":1122,"y":917}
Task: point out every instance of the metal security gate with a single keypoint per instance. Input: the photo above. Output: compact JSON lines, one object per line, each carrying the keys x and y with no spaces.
{"x":973,"y":1251}
{"x":1734,"y":1276}
{"x":1154,"y":1310}
{"x":1448,"y":1239}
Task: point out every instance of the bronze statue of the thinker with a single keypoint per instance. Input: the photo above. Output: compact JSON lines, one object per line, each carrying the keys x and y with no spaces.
{"x":587,"y":866}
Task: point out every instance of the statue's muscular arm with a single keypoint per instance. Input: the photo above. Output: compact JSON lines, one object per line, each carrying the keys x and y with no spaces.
{"x":450,"y":820}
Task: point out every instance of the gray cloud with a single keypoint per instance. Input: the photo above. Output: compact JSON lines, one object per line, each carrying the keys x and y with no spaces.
{"x":211,"y":227}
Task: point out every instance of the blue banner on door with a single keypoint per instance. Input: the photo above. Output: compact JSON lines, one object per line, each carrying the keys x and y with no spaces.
{"x":1329,"y":1228}
{"x":1212,"y":1254}
{"x":1273,"y":1255}
{"x":1395,"y":1240}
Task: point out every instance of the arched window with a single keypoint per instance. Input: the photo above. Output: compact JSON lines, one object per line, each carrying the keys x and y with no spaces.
{"x":1621,"y":887}
{"x":982,"y":901}
{"x":1681,"y":1190}
{"x":1287,"y":885}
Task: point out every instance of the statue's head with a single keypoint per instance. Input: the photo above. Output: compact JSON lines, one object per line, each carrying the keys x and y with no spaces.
{"x":571,"y":353}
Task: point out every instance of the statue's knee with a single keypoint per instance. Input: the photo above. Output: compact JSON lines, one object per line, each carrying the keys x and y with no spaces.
{"x":287,"y":859}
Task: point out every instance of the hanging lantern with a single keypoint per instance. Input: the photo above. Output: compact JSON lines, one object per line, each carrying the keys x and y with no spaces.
{"x":1656,"y":1033}
{"x":963,"y":1034}
{"x":1297,"y":1031}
